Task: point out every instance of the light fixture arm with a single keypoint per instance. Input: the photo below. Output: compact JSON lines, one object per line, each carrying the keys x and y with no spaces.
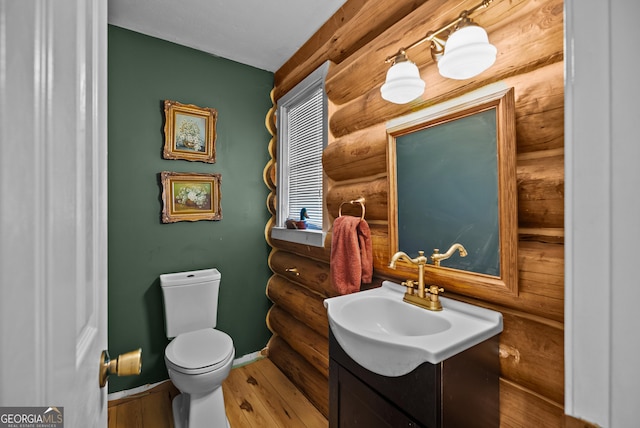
{"x":437,"y":44}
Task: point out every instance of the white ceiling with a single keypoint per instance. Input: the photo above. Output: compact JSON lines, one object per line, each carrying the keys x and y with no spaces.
{"x":260,"y":33}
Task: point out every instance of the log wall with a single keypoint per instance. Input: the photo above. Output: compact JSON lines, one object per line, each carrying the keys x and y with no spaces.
{"x":529,"y":38}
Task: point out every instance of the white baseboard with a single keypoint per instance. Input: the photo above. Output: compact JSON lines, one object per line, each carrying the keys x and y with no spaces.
{"x":133,"y":391}
{"x":248,"y":358}
{"x":244,"y":360}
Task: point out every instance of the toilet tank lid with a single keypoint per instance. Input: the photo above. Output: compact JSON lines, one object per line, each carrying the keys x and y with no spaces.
{"x":190,"y":277}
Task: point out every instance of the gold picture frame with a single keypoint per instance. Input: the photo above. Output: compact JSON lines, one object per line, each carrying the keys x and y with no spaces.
{"x":190,"y":197}
{"x":189,"y":132}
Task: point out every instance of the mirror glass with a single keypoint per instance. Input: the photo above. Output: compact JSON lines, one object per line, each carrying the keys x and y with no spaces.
{"x":452,"y":178}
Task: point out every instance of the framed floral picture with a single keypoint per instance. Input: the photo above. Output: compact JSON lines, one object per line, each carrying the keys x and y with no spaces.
{"x":190,"y":197}
{"x":189,"y":132}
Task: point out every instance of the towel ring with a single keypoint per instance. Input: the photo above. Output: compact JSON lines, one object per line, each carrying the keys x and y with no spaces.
{"x":360,"y":201}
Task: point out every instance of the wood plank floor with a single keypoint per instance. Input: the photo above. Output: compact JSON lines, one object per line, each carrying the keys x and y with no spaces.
{"x":255,"y":395}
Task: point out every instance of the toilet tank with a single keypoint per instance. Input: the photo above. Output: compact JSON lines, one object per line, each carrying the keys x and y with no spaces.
{"x":190,"y":300}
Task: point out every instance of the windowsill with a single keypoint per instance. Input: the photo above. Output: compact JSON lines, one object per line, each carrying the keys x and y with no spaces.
{"x":299,"y":236}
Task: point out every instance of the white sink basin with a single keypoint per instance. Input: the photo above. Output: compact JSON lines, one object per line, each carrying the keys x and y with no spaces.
{"x":388,"y":336}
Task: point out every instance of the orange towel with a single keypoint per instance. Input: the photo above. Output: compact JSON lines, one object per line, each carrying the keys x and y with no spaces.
{"x":351,"y":254}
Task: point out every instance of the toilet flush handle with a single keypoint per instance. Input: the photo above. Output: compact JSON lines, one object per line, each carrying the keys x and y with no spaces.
{"x":125,"y":365}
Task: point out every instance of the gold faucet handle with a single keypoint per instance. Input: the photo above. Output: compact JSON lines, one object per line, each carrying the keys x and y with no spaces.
{"x":410,"y":284}
{"x":434,"y":289}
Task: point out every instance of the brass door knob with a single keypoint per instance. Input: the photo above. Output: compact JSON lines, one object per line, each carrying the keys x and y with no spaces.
{"x":129,"y":364}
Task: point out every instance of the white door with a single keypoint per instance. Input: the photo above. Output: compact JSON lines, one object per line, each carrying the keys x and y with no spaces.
{"x":53,"y":206}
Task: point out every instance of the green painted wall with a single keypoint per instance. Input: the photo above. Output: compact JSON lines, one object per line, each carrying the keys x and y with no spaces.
{"x":143,"y":72}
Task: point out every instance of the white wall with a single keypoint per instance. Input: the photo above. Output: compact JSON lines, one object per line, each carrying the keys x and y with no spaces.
{"x":602,"y":197}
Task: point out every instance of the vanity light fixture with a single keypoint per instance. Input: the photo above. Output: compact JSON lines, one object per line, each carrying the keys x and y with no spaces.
{"x":461,"y":49}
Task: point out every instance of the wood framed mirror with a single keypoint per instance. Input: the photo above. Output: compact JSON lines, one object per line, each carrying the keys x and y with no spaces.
{"x":452,"y":179}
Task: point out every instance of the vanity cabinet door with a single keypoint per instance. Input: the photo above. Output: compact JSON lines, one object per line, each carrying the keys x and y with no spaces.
{"x":354,"y":404}
{"x":411,"y":400}
{"x":461,"y":392}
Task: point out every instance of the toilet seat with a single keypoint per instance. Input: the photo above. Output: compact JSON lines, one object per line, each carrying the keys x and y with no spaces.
{"x":199,"y":351}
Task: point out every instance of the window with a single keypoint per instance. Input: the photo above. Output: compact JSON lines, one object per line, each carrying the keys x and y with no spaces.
{"x":302,"y":135}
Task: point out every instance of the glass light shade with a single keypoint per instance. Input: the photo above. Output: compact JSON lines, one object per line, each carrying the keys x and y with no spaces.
{"x":403,"y":83}
{"x":467,"y":53}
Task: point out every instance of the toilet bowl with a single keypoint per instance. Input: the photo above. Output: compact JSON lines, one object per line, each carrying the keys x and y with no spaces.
{"x":199,"y":358}
{"x":197,"y":363}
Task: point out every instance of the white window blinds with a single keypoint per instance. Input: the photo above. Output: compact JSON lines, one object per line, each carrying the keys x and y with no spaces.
{"x":302,"y":123}
{"x":306,"y":138}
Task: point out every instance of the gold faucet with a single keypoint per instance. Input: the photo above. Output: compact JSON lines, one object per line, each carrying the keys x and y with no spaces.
{"x":432,"y":301}
{"x":419,"y":261}
{"x":437,"y":257}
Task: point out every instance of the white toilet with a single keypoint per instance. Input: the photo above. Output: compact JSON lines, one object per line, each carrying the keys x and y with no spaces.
{"x":199,"y":357}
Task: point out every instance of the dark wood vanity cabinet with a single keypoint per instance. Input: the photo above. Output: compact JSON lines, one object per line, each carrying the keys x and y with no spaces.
{"x":460,"y":392}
